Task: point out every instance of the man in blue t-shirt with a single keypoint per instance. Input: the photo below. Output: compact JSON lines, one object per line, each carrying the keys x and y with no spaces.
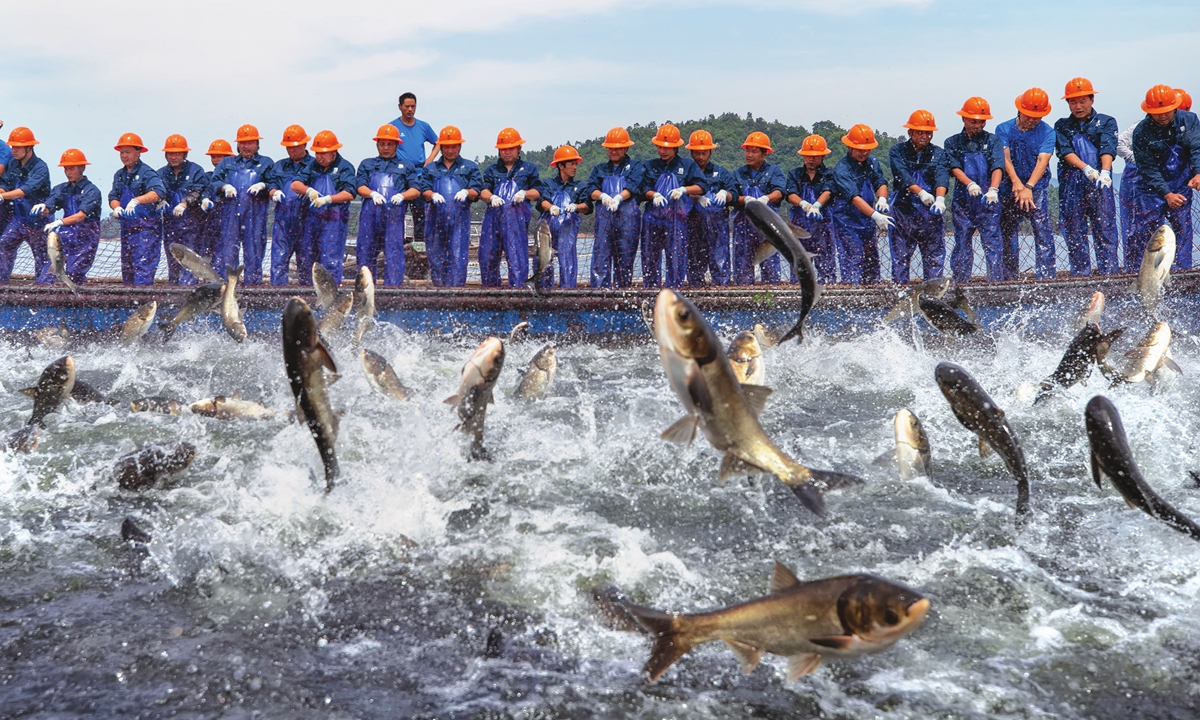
{"x":1028,"y":143}
{"x":414,"y":134}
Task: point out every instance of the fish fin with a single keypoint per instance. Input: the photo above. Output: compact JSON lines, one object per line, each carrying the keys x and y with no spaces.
{"x":454,"y":400}
{"x":683,"y":431}
{"x":764,"y":251}
{"x":325,"y":358}
{"x":28,"y":392}
{"x":830,"y":480}
{"x":756,"y":397}
{"x":782,"y":577}
{"x":797,"y":331}
{"x":733,"y":466}
{"x":836,"y":642}
{"x":1129,"y":503}
{"x":811,"y":498}
{"x":670,"y":642}
{"x":984,"y":448}
{"x":1113,"y":336}
{"x":1162,"y":258}
{"x":1195,"y":477}
{"x":801,"y":665}
{"x":1168,"y":362}
{"x":698,"y":390}
{"x":748,"y":654}
{"x":887,"y":457}
{"x":1097,"y":473}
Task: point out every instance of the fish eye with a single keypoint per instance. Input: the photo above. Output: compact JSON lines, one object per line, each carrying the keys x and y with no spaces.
{"x":891,"y":617}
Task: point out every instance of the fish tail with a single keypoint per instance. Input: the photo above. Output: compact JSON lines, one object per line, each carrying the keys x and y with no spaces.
{"x":671,"y":638}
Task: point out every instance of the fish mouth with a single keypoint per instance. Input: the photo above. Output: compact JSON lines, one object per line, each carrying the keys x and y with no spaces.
{"x":917,"y":612}
{"x":666,"y":329}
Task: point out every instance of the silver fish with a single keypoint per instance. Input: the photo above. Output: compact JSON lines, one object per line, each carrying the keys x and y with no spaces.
{"x":335,"y":317}
{"x":539,"y":376}
{"x":141,"y":470}
{"x":197,"y":265}
{"x":200,"y":301}
{"x":231,"y":316}
{"x":475,"y":391}
{"x":138,"y":323}
{"x":912,"y":445}
{"x":54,"y":386}
{"x":305,"y":359}
{"x":907,"y":306}
{"x":1153,"y":352}
{"x":1155,"y":269}
{"x":382,"y":377}
{"x":745,"y":356}
{"x":325,"y":286}
{"x":364,"y":303}
{"x":58,"y":264}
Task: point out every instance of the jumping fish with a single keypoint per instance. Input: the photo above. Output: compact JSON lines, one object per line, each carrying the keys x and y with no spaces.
{"x":475,"y":391}
{"x":54,"y":386}
{"x":58,"y":265}
{"x":944,"y":317}
{"x":157,"y":404}
{"x":200,"y":301}
{"x":231,"y":316}
{"x":806,"y":622}
{"x":305,"y":359}
{"x":232,"y":408}
{"x":1155,"y":269}
{"x":335,"y":317}
{"x":364,"y":303}
{"x":1092,"y":313}
{"x":23,"y":441}
{"x":907,"y":306}
{"x":781,"y":239}
{"x":912,"y":445}
{"x":542,"y":277}
{"x":141,"y":470}
{"x":325,"y":286}
{"x":195,"y":264}
{"x":745,"y":356}
{"x":382,"y":377}
{"x":539,"y":375}
{"x":1151,"y":355}
{"x":138,"y":324}
{"x":1088,"y":348}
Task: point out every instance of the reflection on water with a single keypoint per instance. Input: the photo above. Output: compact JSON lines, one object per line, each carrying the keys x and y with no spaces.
{"x":427,"y":586}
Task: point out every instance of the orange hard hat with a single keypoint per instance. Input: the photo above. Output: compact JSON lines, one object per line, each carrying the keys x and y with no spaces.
{"x":325,"y":141}
{"x":1078,"y":87}
{"x":667,"y":136}
{"x":976,"y":108}
{"x":921,"y":120}
{"x":509,"y":138}
{"x":176,"y":143}
{"x":1160,"y":99}
{"x":758,"y":140}
{"x":1034,"y":102}
{"x":248,"y":133}
{"x":294,"y":136}
{"x":128,"y":140}
{"x":73,"y":158}
{"x":860,"y":137}
{"x":566,"y":153}
{"x":21,"y":137}
{"x":814,"y":145}
{"x":388,"y":132}
{"x":701,"y":140}
{"x":618,"y":137}
{"x":1185,"y":100}
{"x":450,"y":135}
{"x":218,"y":148}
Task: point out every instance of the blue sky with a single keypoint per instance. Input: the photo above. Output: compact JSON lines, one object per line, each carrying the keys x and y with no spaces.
{"x":80,"y":74}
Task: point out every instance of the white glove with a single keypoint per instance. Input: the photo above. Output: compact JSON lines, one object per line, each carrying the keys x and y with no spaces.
{"x":277,"y":195}
{"x":53,"y":226}
{"x":814,"y":211}
{"x":721,"y":197}
{"x":229,"y":190}
{"x":570,"y":208}
{"x":206,"y":204}
{"x":925,"y":197}
{"x":704,"y":201}
{"x":659,"y":200}
{"x":1105,"y":179}
{"x":614,"y":203}
{"x":497,"y":201}
{"x":37,"y":209}
{"x":132,"y":206}
{"x":883,"y":222}
{"x":179,"y":210}
{"x":804,"y":205}
{"x":118,"y":212}
{"x":1091,"y":173}
{"x":939,"y":206}
{"x":974,"y":190}
{"x":311,"y":193}
{"x":881,"y":205}
{"x":322,"y":201}
{"x":437,"y":199}
{"x":518,"y":197}
{"x":460,"y":196}
{"x":554,"y":211}
{"x":256,"y":188}
{"x":398,"y":199}
{"x":377,"y":198}
{"x":764,"y":199}
{"x":676,"y":193}
{"x":992,"y":196}
{"x":606,"y":200}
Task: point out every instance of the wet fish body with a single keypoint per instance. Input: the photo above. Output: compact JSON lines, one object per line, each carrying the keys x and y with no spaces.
{"x":231,"y":316}
{"x":912,"y":445}
{"x":382,"y":377}
{"x":745,"y":356}
{"x":203,"y":299}
{"x":232,"y":408}
{"x":942,"y":316}
{"x":305,"y":359}
{"x":364,"y":303}
{"x":1088,"y":348}
{"x":23,"y":441}
{"x":130,"y":532}
{"x":335,"y":317}
{"x":145,"y":468}
{"x":806,"y":622}
{"x":158,"y":404}
{"x":58,"y":263}
{"x":197,"y":265}
{"x":543,"y":259}
{"x":476,"y":391}
{"x":138,"y":324}
{"x":81,"y":392}
{"x":1091,"y":314}
{"x":978,"y":413}
{"x":53,"y":388}
{"x":328,"y":293}
{"x":1155,"y":269}
{"x":783,"y":240}
{"x":539,"y":375}
{"x":1151,"y":355}
{"x":907,"y":306}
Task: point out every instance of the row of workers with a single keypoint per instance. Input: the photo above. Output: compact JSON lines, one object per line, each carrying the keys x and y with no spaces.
{"x":683,"y":231}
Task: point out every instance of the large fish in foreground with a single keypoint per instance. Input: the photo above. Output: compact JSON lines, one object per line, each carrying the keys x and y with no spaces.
{"x":364,"y":303}
{"x":1155,"y":269}
{"x":806,"y":622}
{"x":912,"y":446}
{"x":1112,"y":458}
{"x":231,"y":315}
{"x":978,"y":413}
{"x":1088,"y":348}
{"x":195,"y":264}
{"x":54,"y":386}
{"x":725,"y":410}
{"x":200,"y":301}
{"x":305,"y":359}
{"x":58,"y":263}
{"x":475,"y":392}
{"x":138,"y":323}
{"x":781,"y":239}
{"x":1153,"y":352}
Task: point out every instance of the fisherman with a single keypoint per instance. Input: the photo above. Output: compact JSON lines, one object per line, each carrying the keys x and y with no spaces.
{"x":1025,"y":190}
{"x":26,"y":185}
{"x":414,"y":135}
{"x":564,"y":199}
{"x":809,"y":189}
{"x":613,"y":184}
{"x":449,"y":185}
{"x":1166,"y":147}
{"x":668,"y":186}
{"x":1087,"y":143}
{"x":135,"y":194}
{"x":976,"y":160}
{"x":509,"y":186}
{"x":185,"y":182}
{"x":385,"y":183}
{"x":213,"y":207}
{"x":79,"y":228}
{"x":243,"y":178}
{"x":920,"y":176}
{"x":329,"y":183}
{"x":6,"y":159}
{"x":708,"y":222}
{"x":291,"y":210}
{"x":756,"y":181}
{"x":857,"y":177}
